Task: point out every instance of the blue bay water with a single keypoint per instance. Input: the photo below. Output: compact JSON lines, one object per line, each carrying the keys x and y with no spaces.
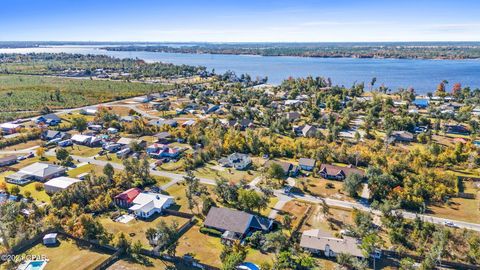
{"x":422,"y":75}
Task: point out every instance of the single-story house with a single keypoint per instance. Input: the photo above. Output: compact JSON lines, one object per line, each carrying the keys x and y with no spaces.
{"x":128,"y":118}
{"x":10,"y":128}
{"x":143,"y":99}
{"x":49,"y":119}
{"x":292,"y":116}
{"x":125,"y":199}
{"x":38,"y":171}
{"x":49,"y":135}
{"x":87,"y":140}
{"x":211,"y":109}
{"x":401,"y":136}
{"x":157,"y":150}
{"x":306,"y":164}
{"x":335,"y":172}
{"x":163,"y":122}
{"x":163,"y":137}
{"x":457,"y":129}
{"x":50,"y":239}
{"x":317,"y":241}
{"x":94,"y":127}
{"x":127,"y":141}
{"x":288,"y":168}
{"x":309,"y":131}
{"x":235,"y":224}
{"x":236,"y":160}
{"x":241,"y":124}
{"x":59,"y":184}
{"x":89,"y":111}
{"x":146,"y":204}
{"x":8,"y":160}
{"x":188,"y":123}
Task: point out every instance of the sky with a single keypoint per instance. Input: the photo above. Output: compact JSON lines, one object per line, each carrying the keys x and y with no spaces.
{"x":240,"y":21}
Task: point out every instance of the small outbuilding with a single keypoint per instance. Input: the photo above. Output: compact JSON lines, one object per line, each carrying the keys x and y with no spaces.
{"x":50,"y":239}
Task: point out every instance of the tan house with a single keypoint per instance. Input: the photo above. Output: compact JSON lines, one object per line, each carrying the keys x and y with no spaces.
{"x":320,"y":242}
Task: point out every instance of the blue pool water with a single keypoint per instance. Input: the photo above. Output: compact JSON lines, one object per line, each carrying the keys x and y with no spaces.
{"x":36,"y":265}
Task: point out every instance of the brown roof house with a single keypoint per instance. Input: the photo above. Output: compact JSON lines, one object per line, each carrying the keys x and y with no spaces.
{"x":318,"y":242}
{"x":401,"y":136}
{"x":235,"y":224}
{"x":335,"y":172}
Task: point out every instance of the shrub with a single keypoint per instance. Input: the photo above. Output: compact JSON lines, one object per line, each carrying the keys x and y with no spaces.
{"x":38,"y":186}
{"x":210,"y":231}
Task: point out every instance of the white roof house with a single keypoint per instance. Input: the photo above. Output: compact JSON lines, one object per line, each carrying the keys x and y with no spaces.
{"x":79,"y":138}
{"x":59,"y":183}
{"x":42,"y":171}
{"x":9,"y":126}
{"x":127,"y":141}
{"x":148,"y":203}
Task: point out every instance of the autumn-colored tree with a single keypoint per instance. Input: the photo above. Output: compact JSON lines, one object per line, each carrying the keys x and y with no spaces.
{"x":456,"y":89}
{"x":441,"y":90}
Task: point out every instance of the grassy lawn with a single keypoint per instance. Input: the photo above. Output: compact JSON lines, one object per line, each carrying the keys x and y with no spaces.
{"x":203,"y":247}
{"x":318,"y":187}
{"x":83,"y":151}
{"x":178,"y":192}
{"x":295,"y":209}
{"x":110,"y":157}
{"x":87,"y":168}
{"x":40,"y":196}
{"x":460,"y":208}
{"x":339,"y":217}
{"x":212,"y":170}
{"x":257,"y":257}
{"x":68,"y":255}
{"x":24,"y":145}
{"x":173,"y":166}
{"x":135,"y":229}
{"x":146,"y":264}
{"x":271,"y":204}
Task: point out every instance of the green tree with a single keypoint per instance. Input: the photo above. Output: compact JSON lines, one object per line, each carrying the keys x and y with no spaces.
{"x":62,"y":154}
{"x":80,"y":123}
{"x":276,"y":171}
{"x":353,"y":184}
{"x":108,"y":171}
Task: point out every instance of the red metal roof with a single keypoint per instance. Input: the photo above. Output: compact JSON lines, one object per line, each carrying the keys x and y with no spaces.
{"x":129,"y":195}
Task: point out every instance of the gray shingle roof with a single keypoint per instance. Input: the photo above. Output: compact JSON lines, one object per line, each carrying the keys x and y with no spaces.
{"x":226,"y":219}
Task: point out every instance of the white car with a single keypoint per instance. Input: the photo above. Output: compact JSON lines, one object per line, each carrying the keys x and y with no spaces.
{"x":449,"y":224}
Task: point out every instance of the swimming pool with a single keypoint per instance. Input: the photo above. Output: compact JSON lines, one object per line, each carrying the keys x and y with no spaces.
{"x":35,"y":265}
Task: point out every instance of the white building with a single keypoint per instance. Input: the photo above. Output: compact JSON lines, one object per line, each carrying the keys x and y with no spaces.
{"x":38,"y":171}
{"x":59,"y":184}
{"x":148,"y":203}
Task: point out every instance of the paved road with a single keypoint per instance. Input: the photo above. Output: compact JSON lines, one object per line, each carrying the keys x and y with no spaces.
{"x":406,"y":214}
{"x":177,"y":177}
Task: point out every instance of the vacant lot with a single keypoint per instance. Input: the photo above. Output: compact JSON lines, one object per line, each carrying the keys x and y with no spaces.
{"x":83,"y":151}
{"x":214,"y":171}
{"x":69,"y":255}
{"x":203,"y":247}
{"x":146,"y":264}
{"x":460,"y":208}
{"x":135,"y":229}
